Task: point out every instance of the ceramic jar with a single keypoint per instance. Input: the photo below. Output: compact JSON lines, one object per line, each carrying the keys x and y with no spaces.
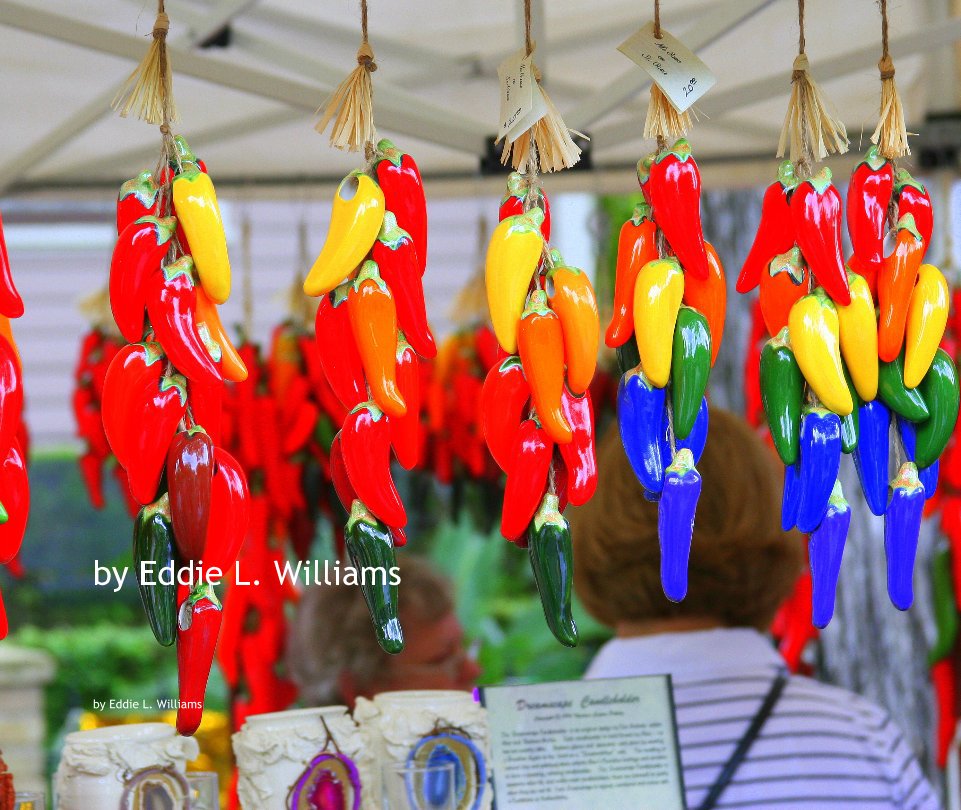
{"x":304,"y":754}
{"x":123,"y":767}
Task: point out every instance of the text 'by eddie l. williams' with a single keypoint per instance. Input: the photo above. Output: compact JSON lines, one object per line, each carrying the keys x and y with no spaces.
{"x":307,"y":572}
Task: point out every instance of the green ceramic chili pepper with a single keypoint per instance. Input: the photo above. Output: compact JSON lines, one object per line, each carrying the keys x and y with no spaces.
{"x":690,"y":368}
{"x":908,"y":402}
{"x":154,"y":550}
{"x":945,"y":611}
{"x":939,"y":388}
{"x":850,"y":427}
{"x":552,"y":561}
{"x":371,"y":550}
{"x":628,"y":356}
{"x":782,"y":394}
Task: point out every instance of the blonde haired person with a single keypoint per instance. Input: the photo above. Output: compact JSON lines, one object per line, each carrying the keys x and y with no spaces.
{"x":333,"y":653}
{"x":751,"y":736}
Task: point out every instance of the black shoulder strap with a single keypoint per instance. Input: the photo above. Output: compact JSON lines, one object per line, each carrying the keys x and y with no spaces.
{"x":745,"y":743}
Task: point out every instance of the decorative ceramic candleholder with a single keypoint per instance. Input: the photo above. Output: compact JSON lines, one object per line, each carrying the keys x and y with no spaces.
{"x":301,"y":759}
{"x":124,"y":767}
{"x":425,"y":727}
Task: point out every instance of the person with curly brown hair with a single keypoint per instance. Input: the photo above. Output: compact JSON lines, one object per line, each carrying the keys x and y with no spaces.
{"x":750,"y":734}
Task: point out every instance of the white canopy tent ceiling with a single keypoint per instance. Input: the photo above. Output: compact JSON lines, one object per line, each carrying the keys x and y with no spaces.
{"x":248,"y":107}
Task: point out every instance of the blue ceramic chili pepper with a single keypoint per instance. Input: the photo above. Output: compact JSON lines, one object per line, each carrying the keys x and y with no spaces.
{"x":928,"y":476}
{"x":790,"y":497}
{"x":819,"y":463}
{"x":640,"y":414}
{"x":824,"y":551}
{"x":872,"y":453}
{"x":902,"y":524}
{"x":675,"y":522}
{"x":697,"y":438}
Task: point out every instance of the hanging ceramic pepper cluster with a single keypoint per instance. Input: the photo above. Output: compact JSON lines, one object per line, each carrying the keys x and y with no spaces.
{"x":162,"y":393}
{"x":14,"y":486}
{"x":371,"y":329}
{"x":853,"y":364}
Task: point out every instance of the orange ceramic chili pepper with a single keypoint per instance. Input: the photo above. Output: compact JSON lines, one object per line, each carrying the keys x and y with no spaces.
{"x":540,"y":340}
{"x":709,"y":297}
{"x":783,"y":282}
{"x":636,"y":246}
{"x":207,"y":315}
{"x":895,"y":283}
{"x":373,"y":320}
{"x":574,"y":302}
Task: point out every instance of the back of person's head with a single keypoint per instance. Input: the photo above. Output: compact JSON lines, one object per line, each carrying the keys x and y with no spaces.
{"x":331,"y":638}
{"x":742,"y":564}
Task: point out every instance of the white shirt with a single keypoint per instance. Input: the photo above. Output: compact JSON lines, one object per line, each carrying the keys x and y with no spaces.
{"x":822,"y":747}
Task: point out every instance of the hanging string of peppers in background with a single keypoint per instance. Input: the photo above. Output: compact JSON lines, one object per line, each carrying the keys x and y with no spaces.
{"x":667,"y":324}
{"x":163,"y":392}
{"x":371,"y":328}
{"x":14,"y":438}
{"x":536,"y":409}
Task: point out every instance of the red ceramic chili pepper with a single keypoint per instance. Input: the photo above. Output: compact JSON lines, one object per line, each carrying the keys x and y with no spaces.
{"x":709,"y":297}
{"x":91,"y":468}
{"x":15,"y":497}
{"x":207,"y":406}
{"x":339,"y":476}
{"x":783,"y":283}
{"x":298,"y":431}
{"x":896,"y":280}
{"x":156,"y":410}
{"x":136,"y":368}
{"x":869,"y":194}
{"x":190,"y":472}
{"x":396,"y":258}
{"x":11,"y":304}
{"x":373,"y":321}
{"x":137,"y":198}
{"x":337,"y":348}
{"x":323,"y":392}
{"x":11,"y":393}
{"x":526,"y":478}
{"x":405,"y":430}
{"x":913,"y":199}
{"x":816,"y":212}
{"x":503,"y":403}
{"x":229,"y":513}
{"x":137,"y":256}
{"x":365,"y":442}
{"x":540,"y":342}
{"x":171,"y":301}
{"x":512,"y":203}
{"x":486,"y":345}
{"x":198,"y":625}
{"x":399,"y":179}
{"x":268,"y":440}
{"x":775,"y":231}
{"x":579,"y":455}
{"x":4,"y":626}
{"x":636,"y":246}
{"x":674,"y":190}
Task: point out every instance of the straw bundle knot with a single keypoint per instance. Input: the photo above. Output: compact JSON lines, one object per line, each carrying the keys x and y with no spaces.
{"x":148,"y":90}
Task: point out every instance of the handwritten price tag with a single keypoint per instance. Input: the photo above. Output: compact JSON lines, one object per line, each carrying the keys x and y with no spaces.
{"x":676,"y":70}
{"x":522,"y":104}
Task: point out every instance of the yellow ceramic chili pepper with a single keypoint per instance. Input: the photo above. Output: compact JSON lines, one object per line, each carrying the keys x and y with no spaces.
{"x":574,"y":302}
{"x":927,"y":317}
{"x":195,"y":202}
{"x":512,"y":257}
{"x":657,"y":298}
{"x":541,"y":345}
{"x":858,"y":327}
{"x":813,"y":327}
{"x":355,"y":222}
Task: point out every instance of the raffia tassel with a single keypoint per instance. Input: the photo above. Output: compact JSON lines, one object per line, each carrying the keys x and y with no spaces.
{"x":811,"y":129}
{"x":554,"y":149}
{"x":663,"y":119}
{"x":891,"y":136}
{"x":351,"y":106}
{"x":148,"y":91}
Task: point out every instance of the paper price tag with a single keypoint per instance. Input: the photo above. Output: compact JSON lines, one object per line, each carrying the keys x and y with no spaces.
{"x":522,"y":104}
{"x":682,"y":76}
